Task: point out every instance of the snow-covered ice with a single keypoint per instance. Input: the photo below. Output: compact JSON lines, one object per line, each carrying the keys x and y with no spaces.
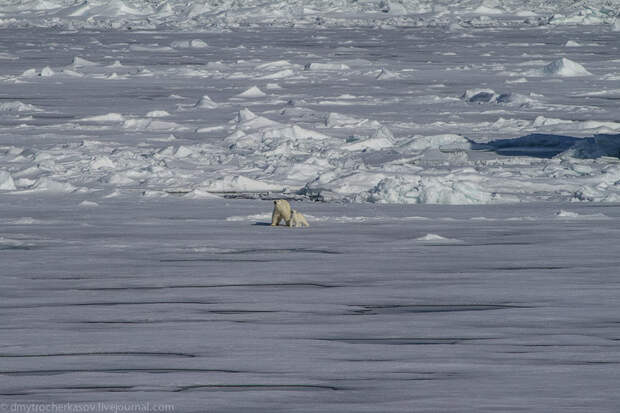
{"x":525,"y":123}
{"x":201,"y":304}
{"x":565,"y":67}
{"x":458,"y":162}
{"x":192,"y":16}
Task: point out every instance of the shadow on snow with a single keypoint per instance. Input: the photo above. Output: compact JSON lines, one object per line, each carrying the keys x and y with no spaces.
{"x":540,"y":145}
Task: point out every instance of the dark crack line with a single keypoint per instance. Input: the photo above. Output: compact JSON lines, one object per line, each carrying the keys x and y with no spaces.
{"x":262,"y":387}
{"x":117,"y":370}
{"x":408,"y":309}
{"x":400,"y":340}
{"x":314,"y":285}
{"x":105,"y":304}
{"x":102,"y":353}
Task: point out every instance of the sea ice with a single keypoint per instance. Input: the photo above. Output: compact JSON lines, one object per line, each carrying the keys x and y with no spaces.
{"x":205,"y":102}
{"x":184,"y":44}
{"x":565,"y":68}
{"x":253,"y":92}
{"x":141,"y":263}
{"x":81,"y":62}
{"x":17,"y":106}
{"x":6,"y":181}
{"x":434,"y":238}
{"x":47,"y":72}
{"x":239,"y":183}
{"x":326,"y":66}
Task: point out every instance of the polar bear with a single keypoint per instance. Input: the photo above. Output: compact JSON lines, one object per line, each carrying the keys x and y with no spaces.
{"x":281,"y":211}
{"x":298,"y":220}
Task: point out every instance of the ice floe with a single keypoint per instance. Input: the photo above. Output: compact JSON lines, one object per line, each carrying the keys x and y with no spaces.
{"x":239,"y":183}
{"x":566,"y":68}
{"x":438,"y":239}
{"x":253,"y":92}
{"x":326,"y":66}
{"x":490,"y":96}
{"x":6,"y":181}
{"x":81,"y":62}
{"x":387,"y":75}
{"x":185,"y":44}
{"x":47,"y":72}
{"x":108,"y":117}
{"x":205,"y":102}
{"x":562,"y":214}
{"x":17,"y":106}
{"x":170,"y":121}
{"x":192,"y":16}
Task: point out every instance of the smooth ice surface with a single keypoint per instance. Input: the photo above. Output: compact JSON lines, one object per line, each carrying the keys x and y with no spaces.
{"x":202,"y":305}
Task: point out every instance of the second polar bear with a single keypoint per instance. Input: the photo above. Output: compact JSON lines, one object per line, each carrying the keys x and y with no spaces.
{"x":298,"y":220}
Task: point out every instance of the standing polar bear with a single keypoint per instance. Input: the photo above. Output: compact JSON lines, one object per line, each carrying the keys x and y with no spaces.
{"x":282,"y":211}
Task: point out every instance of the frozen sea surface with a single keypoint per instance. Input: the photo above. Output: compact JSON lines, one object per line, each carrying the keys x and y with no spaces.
{"x":408,"y":115}
{"x":132,"y":270}
{"x":202,"y":305}
{"x":218,"y":14}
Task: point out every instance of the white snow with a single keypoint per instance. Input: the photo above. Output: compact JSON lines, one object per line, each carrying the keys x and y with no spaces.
{"x":6,"y":181}
{"x":437,"y":239}
{"x":151,"y":124}
{"x":278,"y":75}
{"x":47,"y":72}
{"x":205,"y":102}
{"x":50,"y":185}
{"x":326,"y":66}
{"x":81,"y":62}
{"x":562,"y":214}
{"x":17,"y":106}
{"x":111,"y":8}
{"x":443,"y":142}
{"x":314,"y":13}
{"x":464,"y":204}
{"x":239,"y":183}
{"x":189,"y":302}
{"x":566,"y":68}
{"x":108,"y":117}
{"x":386,"y":75}
{"x":253,"y":92}
{"x":194,"y":43}
{"x":485,"y":10}
{"x":158,"y":114}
